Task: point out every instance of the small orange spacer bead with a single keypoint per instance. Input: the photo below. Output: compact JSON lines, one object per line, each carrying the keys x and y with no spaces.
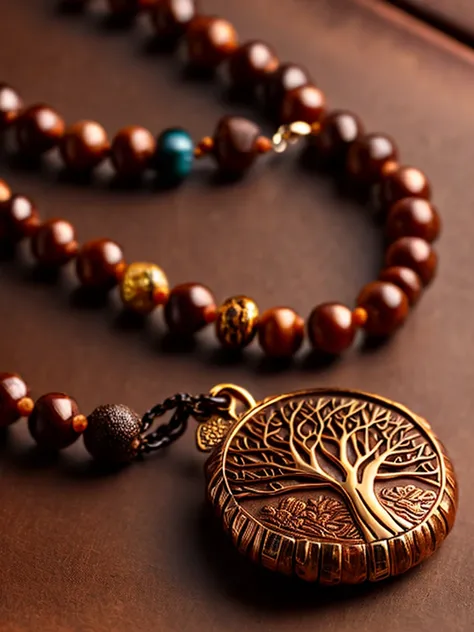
{"x":263,"y":145}
{"x":120,"y":270}
{"x":79,"y":423}
{"x":205,"y":146}
{"x":5,"y":191}
{"x":25,"y":406}
{"x":160,"y":296}
{"x":359,"y":316}
{"x":210,"y":314}
{"x":389,"y":167}
{"x":315,"y":128}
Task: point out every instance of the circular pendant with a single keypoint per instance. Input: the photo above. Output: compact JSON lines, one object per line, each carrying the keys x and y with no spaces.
{"x":333,"y":486}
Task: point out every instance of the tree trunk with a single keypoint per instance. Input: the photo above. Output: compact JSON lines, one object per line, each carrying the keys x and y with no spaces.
{"x":374,"y":520}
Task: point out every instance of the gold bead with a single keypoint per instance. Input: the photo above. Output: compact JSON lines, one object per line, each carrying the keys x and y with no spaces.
{"x":143,"y":287}
{"x":236,"y":323}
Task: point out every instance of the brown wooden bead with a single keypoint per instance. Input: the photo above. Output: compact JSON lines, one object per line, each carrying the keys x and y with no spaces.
{"x":100,"y":264}
{"x":406,"y":279}
{"x":286,"y":78}
{"x":84,"y":146}
{"x":403,"y":182}
{"x":125,"y":9}
{"x":113,"y":434}
{"x":190,"y":307}
{"x":338,"y":131}
{"x":171,"y":18}
{"x":331,"y":328}
{"x":414,"y":253}
{"x":51,"y":422}
{"x":132,"y":151}
{"x":10,"y":105}
{"x":54,"y":243}
{"x":306,"y":103}
{"x":5,"y":192}
{"x":235,"y":143}
{"x":38,"y":129}
{"x":12,"y":390}
{"x":251,"y":64}
{"x":413,"y":217}
{"x":19,"y":218}
{"x":368,"y":156}
{"x":280,"y":332}
{"x":210,"y":40}
{"x":386,"y":305}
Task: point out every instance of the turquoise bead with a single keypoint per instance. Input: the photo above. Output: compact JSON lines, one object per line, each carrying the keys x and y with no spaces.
{"x":174,"y":155}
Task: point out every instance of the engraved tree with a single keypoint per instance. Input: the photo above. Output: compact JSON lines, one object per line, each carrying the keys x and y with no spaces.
{"x":345,"y":444}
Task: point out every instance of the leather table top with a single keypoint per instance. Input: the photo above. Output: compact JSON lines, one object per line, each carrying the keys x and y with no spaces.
{"x":138,"y":550}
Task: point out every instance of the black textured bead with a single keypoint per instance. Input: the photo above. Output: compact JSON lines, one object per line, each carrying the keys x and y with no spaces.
{"x":113,"y":433}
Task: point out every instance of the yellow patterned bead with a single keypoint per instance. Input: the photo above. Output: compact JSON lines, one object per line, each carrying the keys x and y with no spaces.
{"x":143,"y":287}
{"x":237,"y":321}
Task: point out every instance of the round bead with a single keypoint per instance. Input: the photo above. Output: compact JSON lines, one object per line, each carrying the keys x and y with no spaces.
{"x":209,"y":41}
{"x":280,"y":332}
{"x":403,"y":182}
{"x":132,"y":151}
{"x":113,"y":434}
{"x":286,"y":78}
{"x":190,"y":307}
{"x":10,"y":105}
{"x":54,"y":243}
{"x":338,"y":131}
{"x":51,"y":422}
{"x":414,"y":253}
{"x":406,"y":279}
{"x":171,"y":18}
{"x":235,"y":144}
{"x":12,"y":390}
{"x":413,"y":217}
{"x":368,"y":156}
{"x":100,"y":264}
{"x":174,"y":156}
{"x":251,"y":64}
{"x":38,"y":129}
{"x":83,"y":146}
{"x":237,"y":321}
{"x":386,"y":305}
{"x":143,"y":287}
{"x":331,"y":328}
{"x":306,"y":103}
{"x":19,"y":218}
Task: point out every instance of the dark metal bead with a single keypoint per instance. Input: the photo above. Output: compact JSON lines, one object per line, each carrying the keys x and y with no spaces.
{"x":113,"y":433}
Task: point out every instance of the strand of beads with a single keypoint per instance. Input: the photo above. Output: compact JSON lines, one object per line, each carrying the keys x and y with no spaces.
{"x":382,"y":306}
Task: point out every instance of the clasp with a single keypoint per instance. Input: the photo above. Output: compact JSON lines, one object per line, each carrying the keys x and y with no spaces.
{"x":289,"y":134}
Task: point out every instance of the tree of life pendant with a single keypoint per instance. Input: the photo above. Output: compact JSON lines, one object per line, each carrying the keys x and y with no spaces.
{"x":330,"y":485}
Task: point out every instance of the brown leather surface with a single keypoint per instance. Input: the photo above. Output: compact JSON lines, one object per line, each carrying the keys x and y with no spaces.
{"x":137,"y":550}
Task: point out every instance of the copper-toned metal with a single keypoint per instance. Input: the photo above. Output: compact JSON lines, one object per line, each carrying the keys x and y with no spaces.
{"x":213,"y":431}
{"x":333,"y":486}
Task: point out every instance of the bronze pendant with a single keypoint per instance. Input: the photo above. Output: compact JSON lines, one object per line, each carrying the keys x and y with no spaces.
{"x":333,"y":486}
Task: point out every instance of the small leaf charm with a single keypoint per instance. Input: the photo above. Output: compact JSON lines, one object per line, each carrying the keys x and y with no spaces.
{"x":211,"y":433}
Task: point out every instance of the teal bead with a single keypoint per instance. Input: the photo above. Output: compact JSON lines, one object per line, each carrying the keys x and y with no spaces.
{"x":174,"y":155}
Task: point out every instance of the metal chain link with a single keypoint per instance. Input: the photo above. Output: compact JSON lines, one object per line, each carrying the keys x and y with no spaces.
{"x":201,"y":407}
